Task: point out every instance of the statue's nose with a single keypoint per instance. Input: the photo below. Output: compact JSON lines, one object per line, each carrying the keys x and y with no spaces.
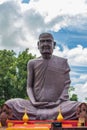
{"x":45,"y":42}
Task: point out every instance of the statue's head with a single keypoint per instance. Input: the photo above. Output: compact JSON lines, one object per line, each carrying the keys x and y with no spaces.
{"x":46,"y":45}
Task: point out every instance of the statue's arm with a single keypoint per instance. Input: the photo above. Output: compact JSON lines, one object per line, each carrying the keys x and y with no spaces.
{"x":64,"y":95}
{"x":30,"y":84}
{"x":30,"y":78}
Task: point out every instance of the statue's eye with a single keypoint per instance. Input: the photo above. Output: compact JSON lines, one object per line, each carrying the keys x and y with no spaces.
{"x":46,"y":40}
{"x":41,"y":41}
{"x":49,"y":40}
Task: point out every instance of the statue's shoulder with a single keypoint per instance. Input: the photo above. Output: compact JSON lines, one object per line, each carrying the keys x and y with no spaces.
{"x":59,"y":62}
{"x":59,"y":59}
{"x":34,"y":61}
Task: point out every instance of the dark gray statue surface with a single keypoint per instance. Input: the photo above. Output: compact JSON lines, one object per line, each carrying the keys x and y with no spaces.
{"x":48,"y":82}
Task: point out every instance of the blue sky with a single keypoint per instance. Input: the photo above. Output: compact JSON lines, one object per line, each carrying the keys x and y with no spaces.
{"x":21,"y":22}
{"x":25,"y":1}
{"x":72,"y":37}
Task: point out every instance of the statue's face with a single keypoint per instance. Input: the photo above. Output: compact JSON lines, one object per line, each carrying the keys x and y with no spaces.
{"x":46,"y":46}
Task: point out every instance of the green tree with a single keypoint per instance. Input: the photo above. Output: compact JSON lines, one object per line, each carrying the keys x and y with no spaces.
{"x":72,"y":95}
{"x":22,"y":61}
{"x":13,"y":74}
{"x":86,"y":99}
{"x":7,"y":73}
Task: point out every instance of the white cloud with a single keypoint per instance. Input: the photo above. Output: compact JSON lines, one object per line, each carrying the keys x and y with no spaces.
{"x":20,"y":23}
{"x":77,"y":78}
{"x":56,"y":7}
{"x":76,"y":56}
{"x":81,"y":91}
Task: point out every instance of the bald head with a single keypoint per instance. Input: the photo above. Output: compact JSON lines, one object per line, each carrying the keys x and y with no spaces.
{"x":46,"y":35}
{"x":46,"y":44}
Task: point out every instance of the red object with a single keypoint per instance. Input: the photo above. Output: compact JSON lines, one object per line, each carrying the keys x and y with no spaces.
{"x":32,"y":123}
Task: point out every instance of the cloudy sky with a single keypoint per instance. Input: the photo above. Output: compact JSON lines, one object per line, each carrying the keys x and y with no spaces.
{"x":21,"y":21}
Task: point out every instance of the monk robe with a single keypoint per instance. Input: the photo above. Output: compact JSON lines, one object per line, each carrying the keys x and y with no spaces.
{"x":51,"y":82}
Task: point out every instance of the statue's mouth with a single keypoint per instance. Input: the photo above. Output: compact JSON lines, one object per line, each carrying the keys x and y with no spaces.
{"x":46,"y":53}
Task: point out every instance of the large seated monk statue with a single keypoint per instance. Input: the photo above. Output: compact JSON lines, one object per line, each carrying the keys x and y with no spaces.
{"x":48,"y":82}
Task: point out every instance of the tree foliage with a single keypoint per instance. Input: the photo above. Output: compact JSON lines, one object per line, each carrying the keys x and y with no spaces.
{"x":13,"y":74}
{"x":72,"y":95}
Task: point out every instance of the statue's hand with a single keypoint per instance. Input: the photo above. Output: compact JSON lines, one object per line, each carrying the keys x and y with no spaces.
{"x":52,"y":104}
{"x":36,"y":104}
{"x":45,"y":104}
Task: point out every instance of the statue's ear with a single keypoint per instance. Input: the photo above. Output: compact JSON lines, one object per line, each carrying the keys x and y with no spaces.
{"x":54,"y":44}
{"x":38,"y":44}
